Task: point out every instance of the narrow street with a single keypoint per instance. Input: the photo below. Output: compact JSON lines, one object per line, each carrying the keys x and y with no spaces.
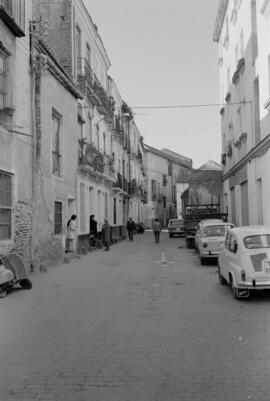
{"x":143,"y":322}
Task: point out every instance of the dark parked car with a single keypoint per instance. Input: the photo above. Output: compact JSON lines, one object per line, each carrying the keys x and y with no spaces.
{"x":176,"y":227}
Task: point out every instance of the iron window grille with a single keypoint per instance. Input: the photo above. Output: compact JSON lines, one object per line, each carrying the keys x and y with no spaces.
{"x":5,"y":206}
{"x":57,"y":217}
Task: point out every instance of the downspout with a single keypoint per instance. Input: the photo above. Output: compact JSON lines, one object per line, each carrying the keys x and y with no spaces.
{"x":35,"y":112}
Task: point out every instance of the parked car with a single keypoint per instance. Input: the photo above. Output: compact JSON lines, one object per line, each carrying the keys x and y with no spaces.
{"x":176,"y":227}
{"x":210,"y":238}
{"x":244,"y":262}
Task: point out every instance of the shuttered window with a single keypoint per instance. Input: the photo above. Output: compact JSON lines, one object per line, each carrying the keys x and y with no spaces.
{"x":57,"y":217}
{"x":5,"y":206}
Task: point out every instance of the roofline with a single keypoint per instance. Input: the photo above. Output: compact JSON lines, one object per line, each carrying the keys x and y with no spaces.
{"x":98,"y":37}
{"x":222,"y":8}
{"x":158,"y":152}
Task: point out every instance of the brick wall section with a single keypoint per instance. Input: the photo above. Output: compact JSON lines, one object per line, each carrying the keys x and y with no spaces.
{"x":23,"y":229}
{"x":58,"y":14}
{"x":22,"y":232}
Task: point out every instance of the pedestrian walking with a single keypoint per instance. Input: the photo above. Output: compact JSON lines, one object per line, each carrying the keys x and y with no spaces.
{"x":130,"y":229}
{"x":156,"y":230}
{"x":106,"y":229}
{"x":71,"y":234}
{"x":93,"y":231}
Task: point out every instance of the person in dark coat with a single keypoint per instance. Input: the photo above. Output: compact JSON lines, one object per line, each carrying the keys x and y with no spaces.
{"x":93,"y":225}
{"x":156,"y":230}
{"x":130,"y":229}
{"x":106,"y":229}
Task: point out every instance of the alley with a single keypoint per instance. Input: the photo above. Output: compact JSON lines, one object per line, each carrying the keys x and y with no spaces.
{"x":143,"y":322}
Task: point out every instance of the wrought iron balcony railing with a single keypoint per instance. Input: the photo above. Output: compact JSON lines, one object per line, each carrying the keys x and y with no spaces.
{"x":90,"y":156}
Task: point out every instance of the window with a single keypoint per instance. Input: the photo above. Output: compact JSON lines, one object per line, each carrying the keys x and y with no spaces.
{"x":56,"y":144}
{"x":104,"y":143}
{"x":164,"y":201}
{"x":257,"y":241}
{"x":169,"y":168}
{"x":90,"y":129}
{"x":164,"y":181}
{"x":154,"y":190}
{"x":77,"y":46}
{"x":114,"y":210}
{"x":3,"y":80}
{"x":57,"y":217}
{"x":106,"y":206}
{"x":82,"y":207}
{"x":5,"y":206}
{"x":233,"y":244}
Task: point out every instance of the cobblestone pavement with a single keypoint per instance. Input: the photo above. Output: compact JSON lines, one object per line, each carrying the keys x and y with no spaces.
{"x":142,"y":322}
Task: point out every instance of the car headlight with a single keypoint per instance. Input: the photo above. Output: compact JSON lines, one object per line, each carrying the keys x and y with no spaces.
{"x":205,"y":245}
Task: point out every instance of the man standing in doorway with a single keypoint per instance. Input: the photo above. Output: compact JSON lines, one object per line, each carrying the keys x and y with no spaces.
{"x":156,"y":230}
{"x":130,"y":229}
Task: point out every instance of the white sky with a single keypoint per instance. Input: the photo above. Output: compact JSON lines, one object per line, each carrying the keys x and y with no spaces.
{"x":162,"y":54}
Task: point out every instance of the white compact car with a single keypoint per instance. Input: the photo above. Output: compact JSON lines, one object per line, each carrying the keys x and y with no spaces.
{"x":210,"y":238}
{"x":244,"y":263}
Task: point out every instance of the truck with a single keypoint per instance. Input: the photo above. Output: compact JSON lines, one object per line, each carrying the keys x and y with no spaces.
{"x":194,"y":213}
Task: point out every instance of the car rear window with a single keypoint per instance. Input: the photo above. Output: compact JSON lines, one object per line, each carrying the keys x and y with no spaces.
{"x":257,"y":241}
{"x":177,"y":223}
{"x":215,"y":231}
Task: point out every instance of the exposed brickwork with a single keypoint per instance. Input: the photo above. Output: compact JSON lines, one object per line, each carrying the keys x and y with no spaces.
{"x":58,"y":14}
{"x":23,"y":229}
{"x":22,"y":232}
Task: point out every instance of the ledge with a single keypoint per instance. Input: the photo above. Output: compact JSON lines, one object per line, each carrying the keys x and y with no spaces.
{"x":258,"y":151}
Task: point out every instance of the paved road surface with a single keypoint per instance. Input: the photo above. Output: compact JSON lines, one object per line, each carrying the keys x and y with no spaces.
{"x":142,"y":322}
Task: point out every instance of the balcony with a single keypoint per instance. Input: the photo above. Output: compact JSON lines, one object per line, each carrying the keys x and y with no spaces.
{"x":12,"y":12}
{"x":118,"y":131}
{"x":133,"y":187}
{"x":93,"y":90}
{"x":118,"y":184}
{"x":85,"y":79}
{"x":90,"y":156}
{"x":109,"y":169}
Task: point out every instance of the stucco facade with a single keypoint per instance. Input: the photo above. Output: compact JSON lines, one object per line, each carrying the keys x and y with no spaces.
{"x":242,"y":33}
{"x":15,"y":132}
{"x":164,"y":169}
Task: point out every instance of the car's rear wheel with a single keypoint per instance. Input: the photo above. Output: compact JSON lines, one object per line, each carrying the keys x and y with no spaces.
{"x":234,"y":288}
{"x":202,"y":259}
{"x":221,"y":278}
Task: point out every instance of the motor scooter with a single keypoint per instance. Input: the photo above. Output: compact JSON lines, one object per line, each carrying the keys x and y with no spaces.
{"x":12,"y":272}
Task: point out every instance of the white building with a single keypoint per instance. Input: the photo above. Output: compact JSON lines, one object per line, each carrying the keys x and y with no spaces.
{"x":242,"y":32}
{"x":16,"y":155}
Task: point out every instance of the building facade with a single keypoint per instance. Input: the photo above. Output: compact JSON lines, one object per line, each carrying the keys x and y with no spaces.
{"x":16,"y":156}
{"x":242,"y":32}
{"x":164,"y":170}
{"x":105,"y":125}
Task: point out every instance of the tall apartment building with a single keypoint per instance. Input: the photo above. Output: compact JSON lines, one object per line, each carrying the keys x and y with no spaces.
{"x":104,"y":128}
{"x":242,"y":34}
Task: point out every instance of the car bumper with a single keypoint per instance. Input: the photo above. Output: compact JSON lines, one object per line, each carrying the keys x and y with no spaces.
{"x":254,"y":285}
{"x":211,"y":254}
